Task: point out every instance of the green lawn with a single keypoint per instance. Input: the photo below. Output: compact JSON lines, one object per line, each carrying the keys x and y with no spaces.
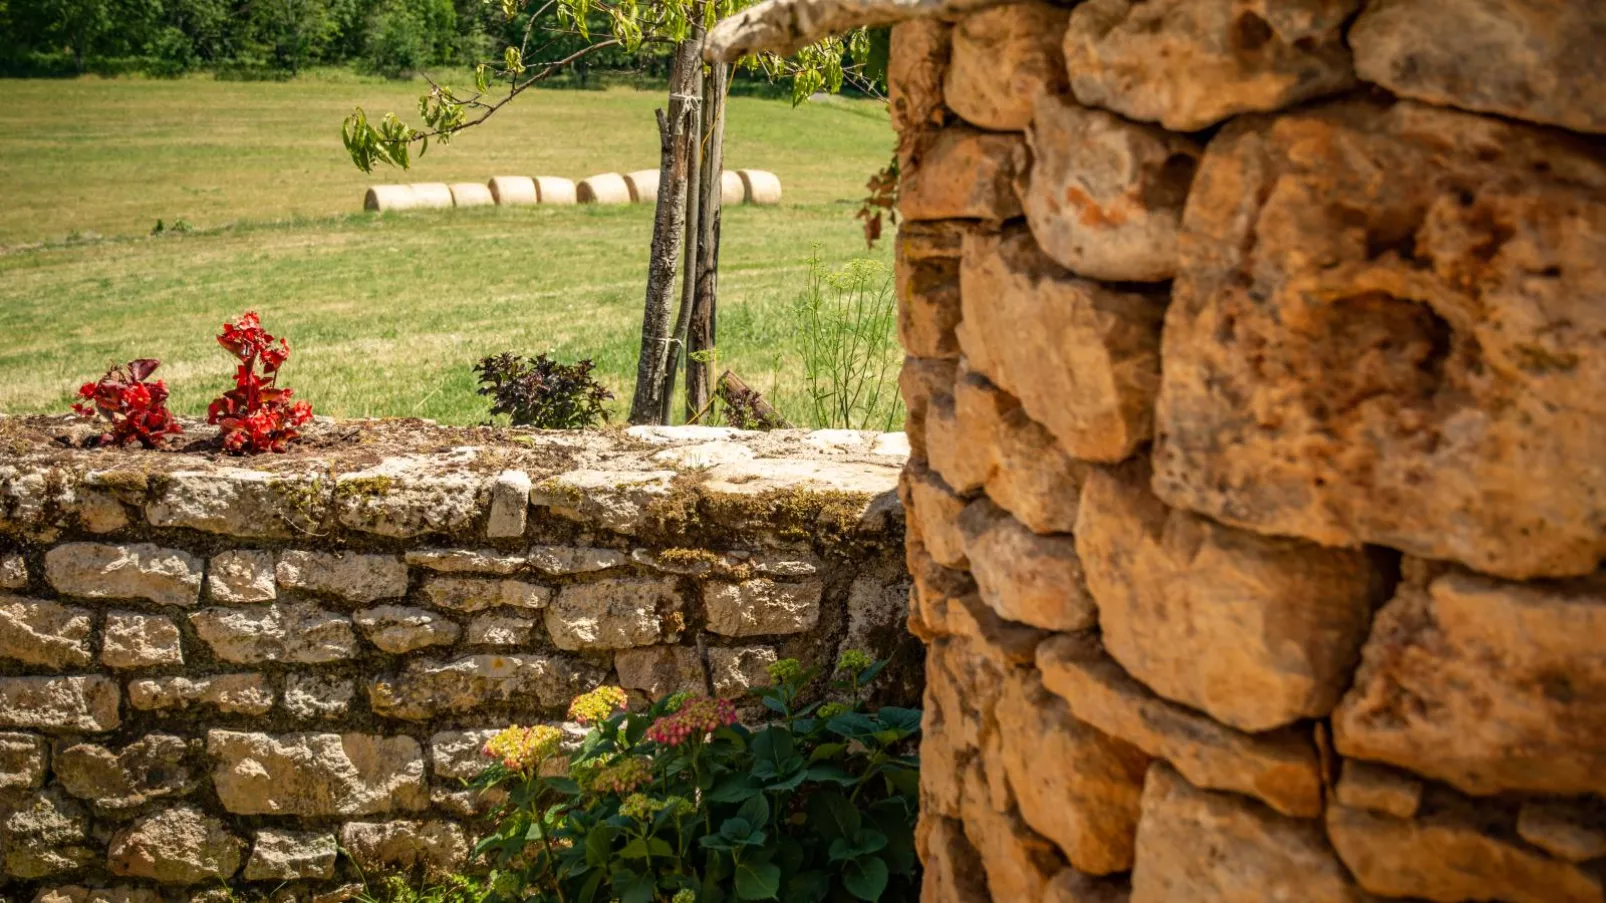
{"x":386,"y":313}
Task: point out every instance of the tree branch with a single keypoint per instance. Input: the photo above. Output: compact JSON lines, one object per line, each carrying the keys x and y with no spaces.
{"x":786,"y":26}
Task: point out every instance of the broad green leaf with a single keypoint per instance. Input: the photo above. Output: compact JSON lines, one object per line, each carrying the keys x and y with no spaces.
{"x":864,"y":878}
{"x":734,"y":788}
{"x":756,"y":881}
{"x":832,"y":816}
{"x":756,"y":810}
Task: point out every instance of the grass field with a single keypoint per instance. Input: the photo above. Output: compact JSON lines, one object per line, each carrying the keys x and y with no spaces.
{"x":386,"y":312}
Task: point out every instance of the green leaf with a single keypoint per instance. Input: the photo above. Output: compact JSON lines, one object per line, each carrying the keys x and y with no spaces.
{"x":853,"y":725}
{"x":588,"y":891}
{"x":827,"y":751}
{"x":863,"y":842}
{"x":907,"y":720}
{"x":599,"y":844}
{"x":831,"y":773}
{"x":735,"y":829}
{"x":641,"y":888}
{"x":807,"y":887}
{"x":755,"y":881}
{"x":736,"y":788}
{"x":864,"y":878}
{"x":756,"y":811}
{"x":832,"y":816}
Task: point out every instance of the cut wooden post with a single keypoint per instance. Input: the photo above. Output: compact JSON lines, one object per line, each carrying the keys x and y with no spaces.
{"x":668,"y":234}
{"x":688,"y":281}
{"x":701,"y":336}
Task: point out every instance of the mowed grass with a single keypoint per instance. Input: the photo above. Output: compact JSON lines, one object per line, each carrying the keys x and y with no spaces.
{"x":387,"y":313}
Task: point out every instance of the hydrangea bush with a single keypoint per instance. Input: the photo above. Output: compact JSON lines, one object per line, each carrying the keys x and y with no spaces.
{"x":682,"y":803}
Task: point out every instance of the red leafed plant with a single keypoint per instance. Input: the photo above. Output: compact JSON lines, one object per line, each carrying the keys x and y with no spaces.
{"x":256,"y":415}
{"x":136,"y":409}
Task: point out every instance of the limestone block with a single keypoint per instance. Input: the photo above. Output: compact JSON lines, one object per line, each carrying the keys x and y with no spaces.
{"x":1104,"y":195}
{"x":1378,"y":788}
{"x":13,"y":572}
{"x":459,"y":755}
{"x":278,"y":855}
{"x":927,"y":287}
{"x":438,"y":848}
{"x":1256,"y":631}
{"x":614,"y":614}
{"x":397,"y":629}
{"x":953,"y":871}
{"x":1018,"y":862}
{"x":787,"y":562}
{"x":244,"y":694}
{"x":45,"y":834}
{"x":1082,"y":358}
{"x":949,"y":605}
{"x":348,"y":575}
{"x":76,"y":893}
{"x":313,"y":696}
{"x":1280,"y":768}
{"x":878,"y":610}
{"x":137,"y":571}
{"x":1417,"y":367}
{"x":47,"y":634}
{"x":510,"y":505}
{"x":735,"y":669}
{"x":1528,"y":60}
{"x":23,"y":759}
{"x":466,"y":561}
{"x":176,"y":846}
{"x":660,"y":670}
{"x":292,"y":632}
{"x":133,"y":640}
{"x":1197,"y":845}
{"x":761,"y":607}
{"x":1188,"y":64}
{"x":1453,"y":853}
{"x":407,"y":497}
{"x":917,"y":62}
{"x":241,"y":576}
{"x":153,"y":767}
{"x":613,"y":500}
{"x":1003,"y":60}
{"x":1573,"y":830}
{"x":565,"y":560}
{"x":86,"y":704}
{"x":1071,"y":886}
{"x":933,"y":510}
{"x":1024,"y":576}
{"x":498,"y":630}
{"x":982,"y":439}
{"x":426,"y":689}
{"x":964,"y":173}
{"x":469,"y":594}
{"x":312,"y":774}
{"x":1074,"y":785}
{"x":1485,"y":684}
{"x":920,"y":380}
{"x":238,"y":502}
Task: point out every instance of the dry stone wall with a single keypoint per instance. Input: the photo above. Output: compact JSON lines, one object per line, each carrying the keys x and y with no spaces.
{"x":1255,"y":498}
{"x":242,"y":679}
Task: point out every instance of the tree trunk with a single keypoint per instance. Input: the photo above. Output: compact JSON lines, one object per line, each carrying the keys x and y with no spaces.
{"x":701,"y":337}
{"x":668,"y":233}
{"x":688,"y":282}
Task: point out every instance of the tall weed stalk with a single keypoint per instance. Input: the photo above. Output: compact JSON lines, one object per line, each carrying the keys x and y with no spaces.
{"x":848,"y":323}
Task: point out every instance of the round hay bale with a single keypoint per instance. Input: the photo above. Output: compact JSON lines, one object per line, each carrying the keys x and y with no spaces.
{"x":431,"y":194}
{"x":731,"y":189}
{"x":510,"y":191}
{"x":389,"y":197}
{"x":553,"y":190}
{"x":762,"y":187}
{"x":643,"y":186}
{"x":606,"y":188}
{"x":471,"y":194}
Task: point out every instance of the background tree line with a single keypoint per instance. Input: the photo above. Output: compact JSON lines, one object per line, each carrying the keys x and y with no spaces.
{"x":277,"y":38}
